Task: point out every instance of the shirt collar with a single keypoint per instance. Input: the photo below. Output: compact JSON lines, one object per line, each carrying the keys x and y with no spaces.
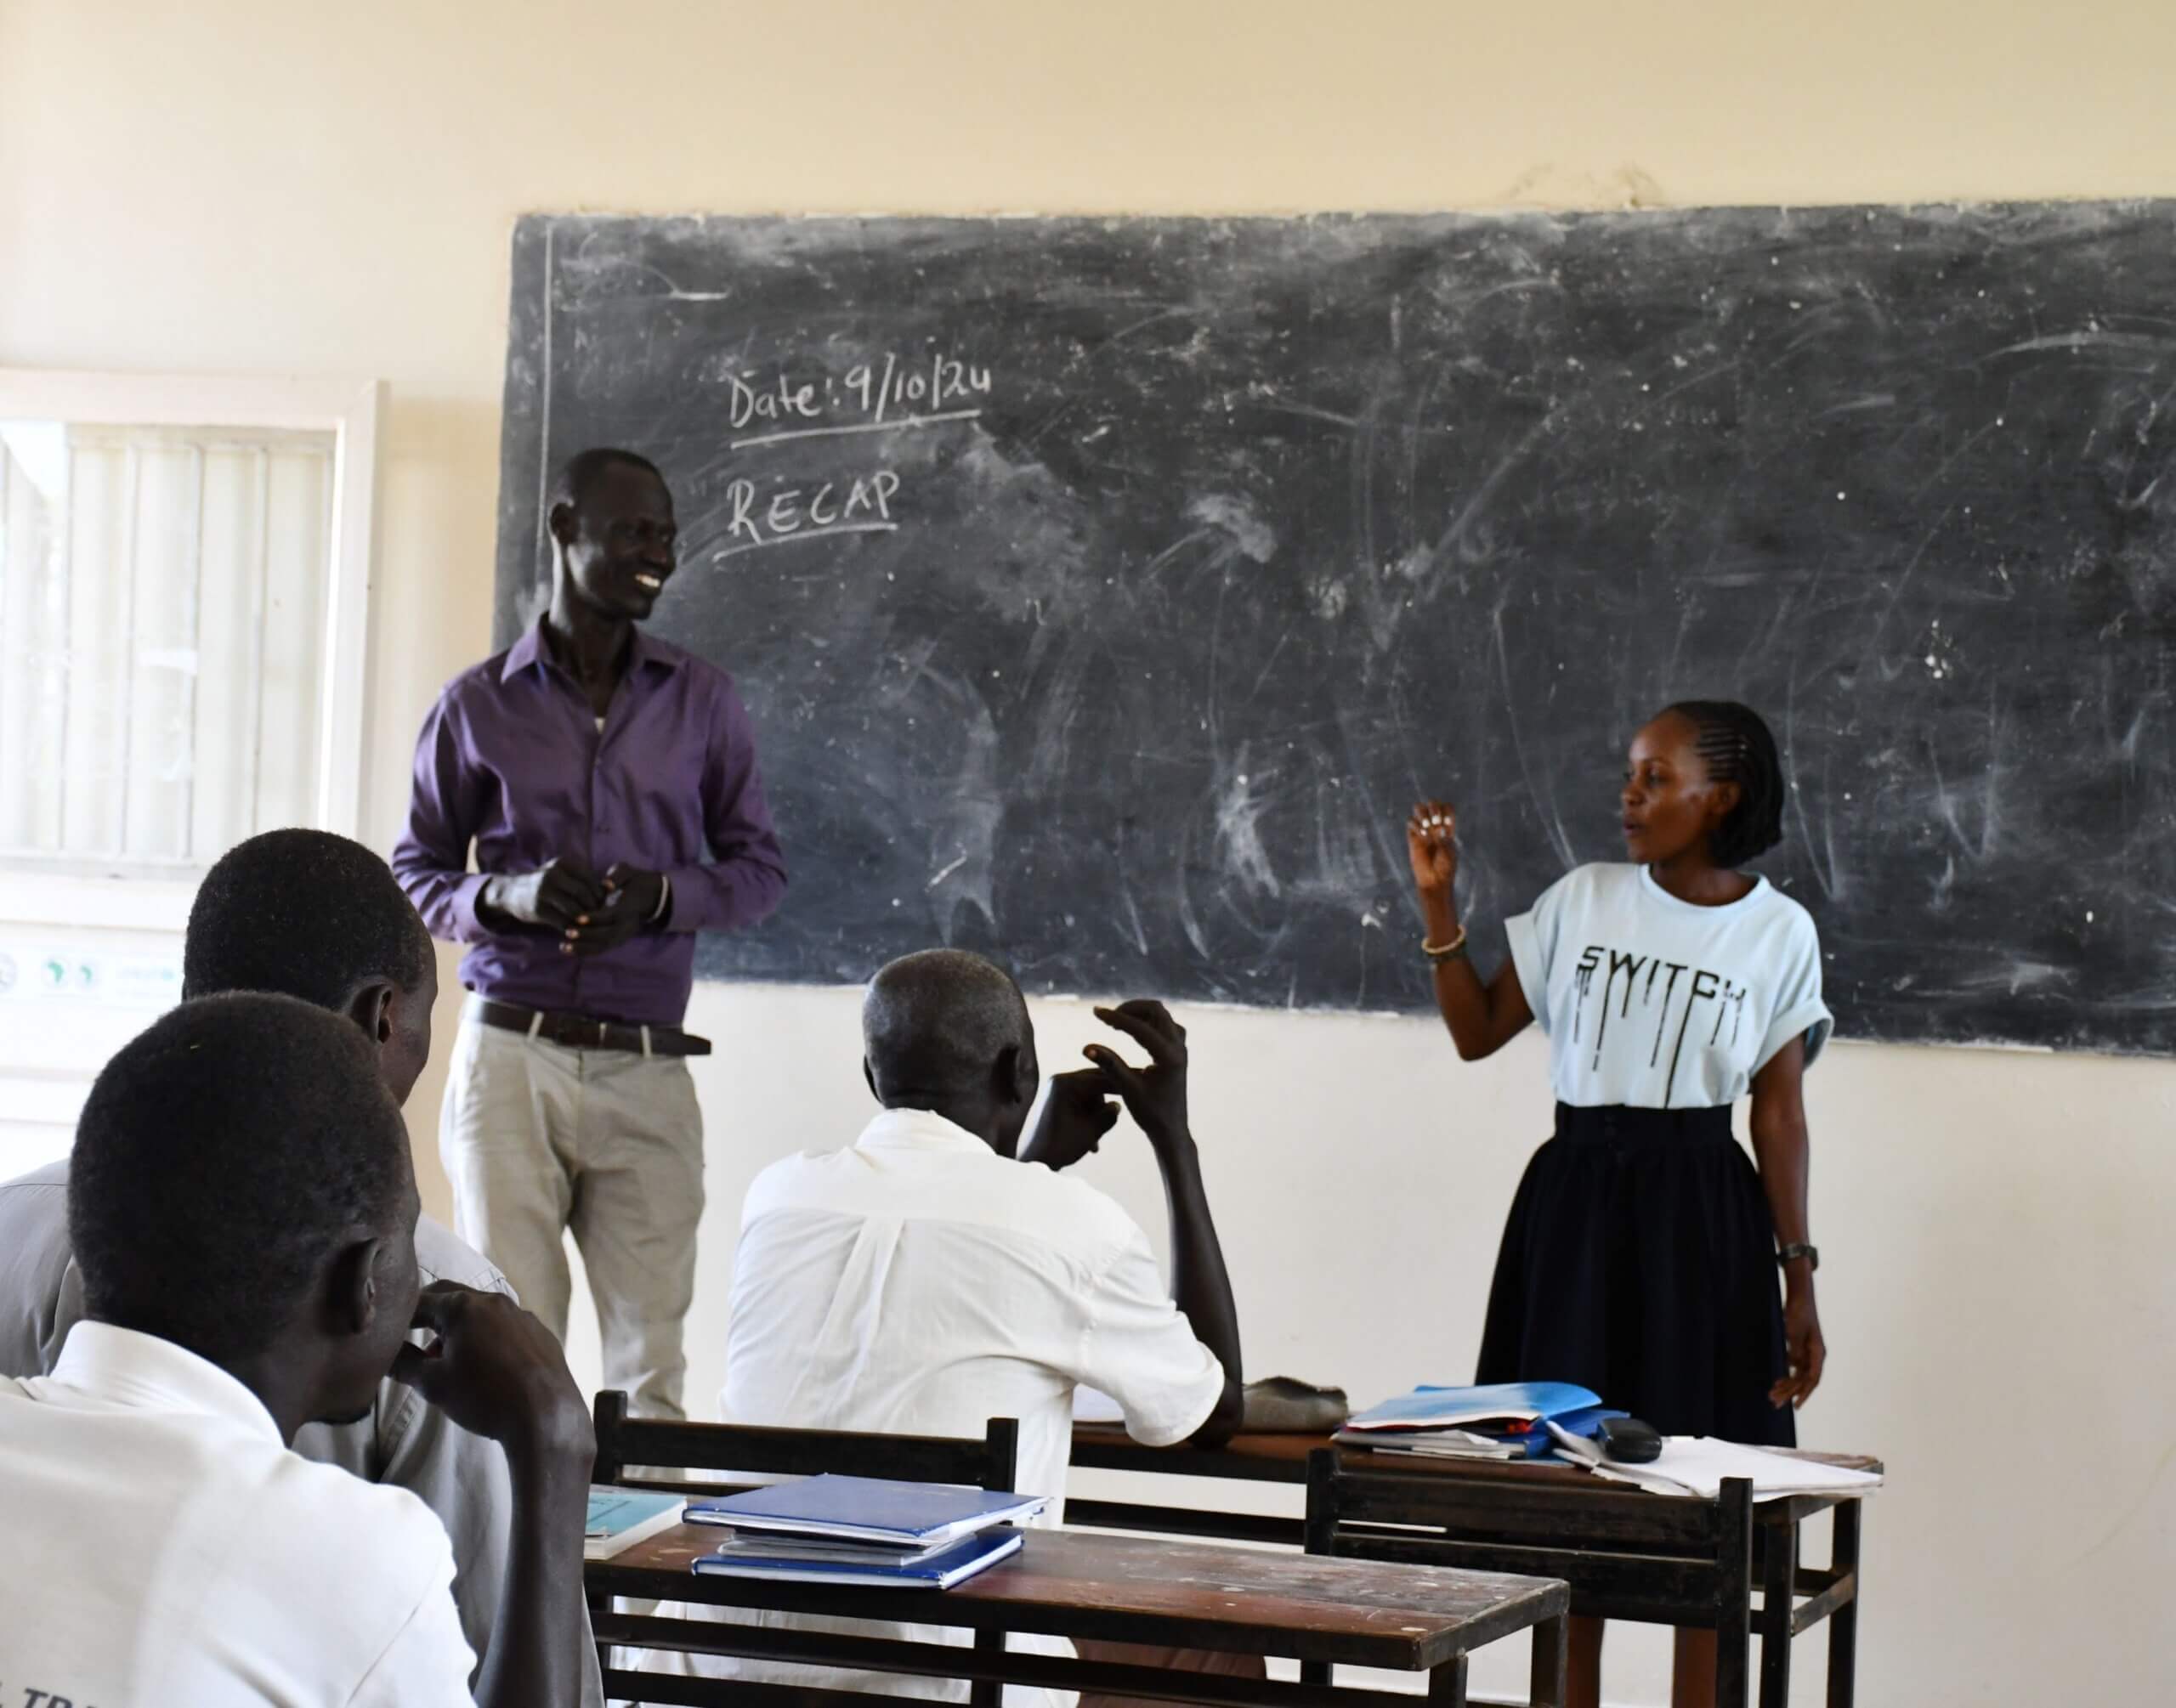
{"x":918,"y":1130}
{"x":531,"y":650}
{"x":142,"y":1373}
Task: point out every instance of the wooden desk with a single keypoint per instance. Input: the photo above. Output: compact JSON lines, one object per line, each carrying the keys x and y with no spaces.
{"x":1793,"y":1596}
{"x":1132,"y":1589}
{"x":1243,"y":1458}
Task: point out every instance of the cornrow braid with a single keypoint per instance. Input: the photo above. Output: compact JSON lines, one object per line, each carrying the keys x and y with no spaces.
{"x":1735,"y":745}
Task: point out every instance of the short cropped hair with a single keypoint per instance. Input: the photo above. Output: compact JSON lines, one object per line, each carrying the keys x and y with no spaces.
{"x":582,"y":471}
{"x":1737,"y":745}
{"x":935,"y":1023}
{"x":223,"y":1156}
{"x":304,"y":912}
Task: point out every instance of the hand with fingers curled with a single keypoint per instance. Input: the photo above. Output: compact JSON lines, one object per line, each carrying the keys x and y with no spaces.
{"x":1077,"y":1113}
{"x":496,"y":1371}
{"x":632,"y":897}
{"x":1803,"y":1346}
{"x":553,"y":898}
{"x":588,"y":913}
{"x":1154,"y":1096}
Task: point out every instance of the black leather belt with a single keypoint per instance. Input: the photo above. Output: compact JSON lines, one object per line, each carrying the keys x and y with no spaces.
{"x":579,"y":1031}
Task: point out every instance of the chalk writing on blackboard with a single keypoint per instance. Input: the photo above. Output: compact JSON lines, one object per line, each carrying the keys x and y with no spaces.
{"x":772,"y":512}
{"x":895,"y":391}
{"x":887,"y":394}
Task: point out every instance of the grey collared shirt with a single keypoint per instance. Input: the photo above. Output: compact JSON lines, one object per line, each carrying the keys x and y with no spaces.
{"x":405,"y":1442}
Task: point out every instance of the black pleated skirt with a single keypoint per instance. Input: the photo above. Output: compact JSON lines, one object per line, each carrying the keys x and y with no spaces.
{"x":1640,"y":1262}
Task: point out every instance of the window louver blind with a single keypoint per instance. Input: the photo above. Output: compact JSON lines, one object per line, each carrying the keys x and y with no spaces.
{"x":162,"y":625}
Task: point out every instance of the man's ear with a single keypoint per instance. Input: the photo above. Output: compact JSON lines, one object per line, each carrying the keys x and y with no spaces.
{"x":371,"y":1009}
{"x":1015,"y":1077}
{"x":351,"y":1287}
{"x":869,"y":1078}
{"x":563,"y":523}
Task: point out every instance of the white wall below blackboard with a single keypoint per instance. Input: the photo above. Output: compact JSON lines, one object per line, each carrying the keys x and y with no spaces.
{"x":267,"y":186}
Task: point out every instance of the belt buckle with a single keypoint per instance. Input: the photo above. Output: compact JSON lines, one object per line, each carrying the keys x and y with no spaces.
{"x":600,"y":1029}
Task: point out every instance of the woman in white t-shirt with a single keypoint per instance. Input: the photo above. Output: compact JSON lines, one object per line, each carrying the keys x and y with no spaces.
{"x":1641,"y":1256}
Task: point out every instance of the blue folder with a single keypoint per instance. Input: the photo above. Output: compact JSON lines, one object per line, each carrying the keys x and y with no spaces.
{"x":871,"y":1509}
{"x":1463,"y":1408}
{"x":955,"y":1564}
{"x":1539,"y":1444}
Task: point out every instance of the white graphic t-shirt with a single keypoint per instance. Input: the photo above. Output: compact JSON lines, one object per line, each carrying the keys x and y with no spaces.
{"x":1659,"y":1004}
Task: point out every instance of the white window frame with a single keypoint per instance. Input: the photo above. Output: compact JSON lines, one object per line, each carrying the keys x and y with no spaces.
{"x":352,"y":411}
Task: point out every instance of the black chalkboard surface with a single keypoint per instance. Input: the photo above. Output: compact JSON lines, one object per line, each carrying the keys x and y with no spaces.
{"x":1105,"y":591}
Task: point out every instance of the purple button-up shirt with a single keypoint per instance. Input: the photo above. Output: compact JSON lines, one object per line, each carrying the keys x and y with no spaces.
{"x":510,"y":759}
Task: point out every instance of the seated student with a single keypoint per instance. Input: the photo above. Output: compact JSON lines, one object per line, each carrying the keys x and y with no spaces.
{"x":923,"y":1281}
{"x":242,"y":1212}
{"x":309,"y":914}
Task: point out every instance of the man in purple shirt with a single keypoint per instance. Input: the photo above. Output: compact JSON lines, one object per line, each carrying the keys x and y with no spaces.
{"x":607,"y":783}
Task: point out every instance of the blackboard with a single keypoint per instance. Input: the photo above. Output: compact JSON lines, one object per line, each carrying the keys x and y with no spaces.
{"x":1105,"y":589}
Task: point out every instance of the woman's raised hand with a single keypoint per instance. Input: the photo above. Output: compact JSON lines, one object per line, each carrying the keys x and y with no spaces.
{"x":1431,"y":841}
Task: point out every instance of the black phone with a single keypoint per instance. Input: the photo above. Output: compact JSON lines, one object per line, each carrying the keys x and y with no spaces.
{"x":1628,"y":1441}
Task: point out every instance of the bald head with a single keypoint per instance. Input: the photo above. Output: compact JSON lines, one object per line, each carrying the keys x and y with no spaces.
{"x":945,"y":1030}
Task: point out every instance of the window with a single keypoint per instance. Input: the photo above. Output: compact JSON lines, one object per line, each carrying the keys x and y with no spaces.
{"x":182,"y":571}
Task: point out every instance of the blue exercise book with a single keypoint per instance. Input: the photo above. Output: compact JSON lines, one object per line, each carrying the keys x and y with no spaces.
{"x":1466,"y":1408}
{"x":940,"y":1570}
{"x":870,"y":1509}
{"x":620,"y":1518}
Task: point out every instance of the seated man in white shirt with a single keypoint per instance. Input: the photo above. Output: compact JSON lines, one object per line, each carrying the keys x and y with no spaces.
{"x":307,"y":913}
{"x":243,"y":1214}
{"x":924,"y":1282}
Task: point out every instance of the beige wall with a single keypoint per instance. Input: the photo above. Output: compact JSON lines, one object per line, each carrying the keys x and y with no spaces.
{"x":295,"y":188}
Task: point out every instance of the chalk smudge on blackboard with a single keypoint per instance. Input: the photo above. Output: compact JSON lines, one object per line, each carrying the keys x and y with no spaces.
{"x":1238,"y":521}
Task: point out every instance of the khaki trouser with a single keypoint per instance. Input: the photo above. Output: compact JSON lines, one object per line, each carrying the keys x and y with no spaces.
{"x":538,"y":1138}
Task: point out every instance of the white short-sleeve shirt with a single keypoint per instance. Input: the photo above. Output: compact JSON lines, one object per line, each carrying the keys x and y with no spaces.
{"x":1655,"y":1003}
{"x":920,"y":1284}
{"x":181,"y":1553}
{"x":406,"y":1441}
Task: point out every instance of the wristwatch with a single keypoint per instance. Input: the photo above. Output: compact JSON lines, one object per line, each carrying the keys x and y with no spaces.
{"x":1791,"y":1254}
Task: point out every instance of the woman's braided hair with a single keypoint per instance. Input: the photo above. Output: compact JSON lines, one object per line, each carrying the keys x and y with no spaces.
{"x":1735,"y":745}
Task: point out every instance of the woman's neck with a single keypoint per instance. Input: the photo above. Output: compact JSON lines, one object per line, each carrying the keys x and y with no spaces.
{"x":1694,"y":878}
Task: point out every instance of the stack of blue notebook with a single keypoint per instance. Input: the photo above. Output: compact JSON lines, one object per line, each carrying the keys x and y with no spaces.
{"x":862,"y":1530}
{"x":1508,"y":1420}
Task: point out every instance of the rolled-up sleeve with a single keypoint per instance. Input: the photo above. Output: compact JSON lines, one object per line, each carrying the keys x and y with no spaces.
{"x":745,"y":876}
{"x":1801,"y":1010}
{"x":1533,"y":936}
{"x":431,"y":858}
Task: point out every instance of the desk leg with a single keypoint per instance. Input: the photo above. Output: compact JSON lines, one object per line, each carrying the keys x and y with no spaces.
{"x":1315,"y":1671}
{"x":1734,"y":1610}
{"x":1843,"y":1623}
{"x":987,"y":1692}
{"x":1779,"y":1595}
{"x":1447,"y":1682}
{"x":1551,"y":1662}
